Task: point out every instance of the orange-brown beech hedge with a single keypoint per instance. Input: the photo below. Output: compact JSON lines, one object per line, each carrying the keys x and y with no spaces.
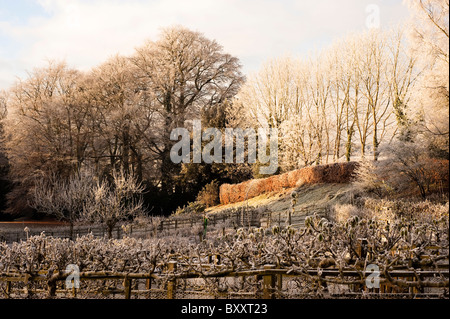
{"x":330,"y":173}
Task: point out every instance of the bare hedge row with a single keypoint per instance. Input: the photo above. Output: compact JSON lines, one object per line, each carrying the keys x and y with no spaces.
{"x":331,"y":173}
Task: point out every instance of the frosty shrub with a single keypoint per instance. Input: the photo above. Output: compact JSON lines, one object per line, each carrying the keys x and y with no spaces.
{"x":209,"y":195}
{"x":409,"y":166}
{"x":110,"y":202}
{"x":191,"y":208}
{"x":63,"y":199}
{"x":342,"y":212}
{"x":406,"y":169}
{"x":83,"y":197}
{"x":426,"y":211}
{"x":370,"y":178}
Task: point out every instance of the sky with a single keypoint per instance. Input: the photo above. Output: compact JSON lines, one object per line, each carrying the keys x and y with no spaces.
{"x":86,"y":33}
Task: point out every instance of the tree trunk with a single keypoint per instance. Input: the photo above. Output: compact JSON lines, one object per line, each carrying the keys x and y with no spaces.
{"x":71,"y":230}
{"x":348,"y":145}
{"x":110,"y":230}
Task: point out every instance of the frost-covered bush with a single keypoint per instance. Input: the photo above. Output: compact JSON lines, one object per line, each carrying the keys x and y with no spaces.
{"x":390,"y":210}
{"x":426,"y":211}
{"x":342,"y":212}
{"x":209,"y":195}
{"x":407,"y":169}
{"x":84,"y":197}
{"x":195,"y":207}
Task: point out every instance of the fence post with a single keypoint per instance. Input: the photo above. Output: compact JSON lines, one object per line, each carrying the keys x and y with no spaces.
{"x":127,"y":287}
{"x":269,"y":281}
{"x":361,"y":250}
{"x":74,"y":291}
{"x":8,"y":289}
{"x":237,"y":218}
{"x":279,"y":282}
{"x":51,"y":288}
{"x":269,"y":220}
{"x":172,"y":283}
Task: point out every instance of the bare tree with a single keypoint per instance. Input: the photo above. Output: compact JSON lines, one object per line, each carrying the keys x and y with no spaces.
{"x":272,"y":93}
{"x":401,"y":76}
{"x":430,"y":32}
{"x":354,"y":89}
{"x":111,"y":202}
{"x":340,"y":64}
{"x":3,"y":104}
{"x":429,"y":37}
{"x":118,"y":116}
{"x":406,"y":168}
{"x":63,"y":199}
{"x":46,"y":129}
{"x":45,"y":123}
{"x":183,"y":72}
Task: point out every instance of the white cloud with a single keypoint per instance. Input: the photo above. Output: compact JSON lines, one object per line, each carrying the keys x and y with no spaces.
{"x":85,"y":33}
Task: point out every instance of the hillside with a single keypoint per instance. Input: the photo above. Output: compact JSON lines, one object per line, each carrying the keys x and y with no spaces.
{"x":312,"y":198}
{"x":319,"y":188}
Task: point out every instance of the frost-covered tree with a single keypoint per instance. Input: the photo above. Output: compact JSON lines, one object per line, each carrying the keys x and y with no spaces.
{"x":4,"y":163}
{"x":46,"y":128}
{"x":113,"y":200}
{"x":120,"y":121}
{"x":270,"y":94}
{"x":429,"y":37}
{"x":64,"y":199}
{"x":3,"y":104}
{"x":405,"y":169}
{"x":182,"y":72}
{"x":45,"y":124}
{"x":118,"y":115}
{"x":353,"y":93}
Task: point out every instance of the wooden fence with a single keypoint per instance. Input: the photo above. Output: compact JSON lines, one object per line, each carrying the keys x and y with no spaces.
{"x":241,"y":217}
{"x":236,"y":217}
{"x":270,"y":283}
